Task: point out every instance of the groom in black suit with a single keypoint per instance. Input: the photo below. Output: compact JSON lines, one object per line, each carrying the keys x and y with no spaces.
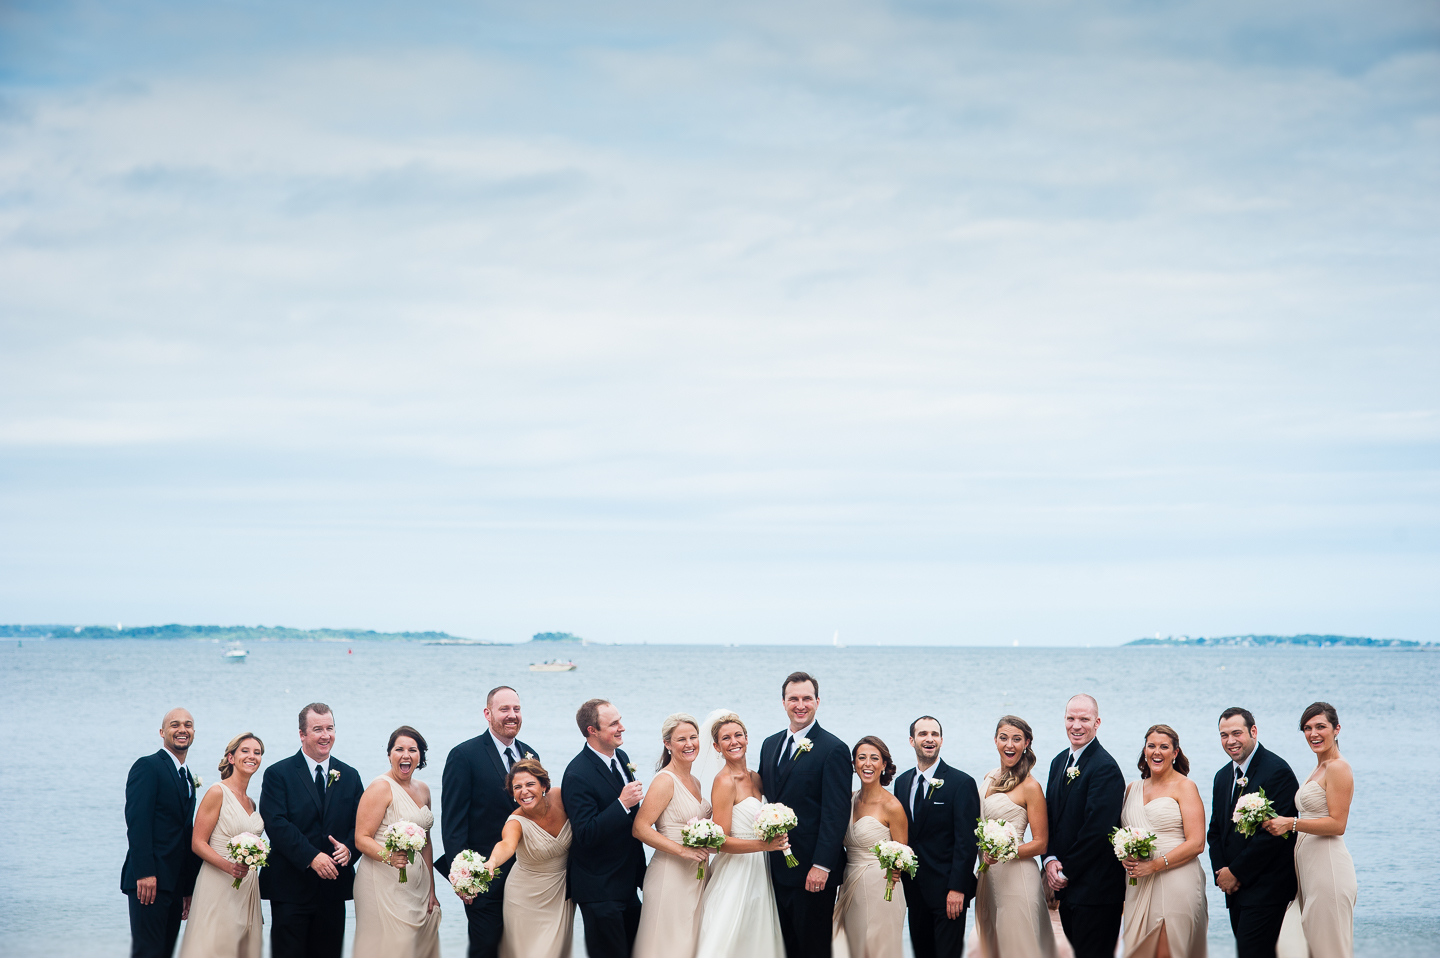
{"x":474,"y":806}
{"x":308,"y":802}
{"x":1257,"y":874}
{"x":942,"y":805}
{"x":808,"y":769}
{"x":160,"y":868}
{"x":1084,"y":799}
{"x":607,"y":861}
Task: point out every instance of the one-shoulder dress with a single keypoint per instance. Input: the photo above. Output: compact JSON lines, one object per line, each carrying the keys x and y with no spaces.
{"x":539,"y":918}
{"x":1173,"y":898}
{"x":1011,"y":919}
{"x":670,"y":916}
{"x":390,"y":917}
{"x":865,"y":923}
{"x":225,"y":921}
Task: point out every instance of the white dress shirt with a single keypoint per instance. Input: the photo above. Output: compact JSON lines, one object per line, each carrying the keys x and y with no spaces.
{"x":1242,"y":769}
{"x":310,"y":764}
{"x":515,"y":750}
{"x":920,"y":776}
{"x":1075,"y":754}
{"x":179,"y":767}
{"x":611,"y":762}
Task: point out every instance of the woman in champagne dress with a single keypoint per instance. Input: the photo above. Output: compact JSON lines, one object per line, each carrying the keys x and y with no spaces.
{"x":1165,"y":911}
{"x":738,"y":916}
{"x":866,"y":925}
{"x":395,"y":919}
{"x":225,"y":922}
{"x":539,"y":918}
{"x":1323,"y":867}
{"x":1011,"y":918}
{"x":670,"y":915}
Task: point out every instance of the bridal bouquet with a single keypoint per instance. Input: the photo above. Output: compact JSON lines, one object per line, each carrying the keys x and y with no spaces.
{"x":1251,"y":811}
{"x":468,"y":874}
{"x":1132,"y":843}
{"x":895,"y":857}
{"x":404,"y":837}
{"x":998,"y":839}
{"x":247,"y":849}
{"x":701,"y":833}
{"x":776,"y":819}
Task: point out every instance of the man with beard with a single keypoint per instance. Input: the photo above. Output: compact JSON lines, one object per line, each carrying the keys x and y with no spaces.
{"x":160,"y":868}
{"x":474,"y":806}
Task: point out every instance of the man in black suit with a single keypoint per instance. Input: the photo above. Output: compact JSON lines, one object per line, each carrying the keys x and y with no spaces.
{"x":1257,"y":874}
{"x":308,"y":802}
{"x":1084,"y":798}
{"x":607,"y":861}
{"x":160,"y":868}
{"x":474,"y":806}
{"x":942,"y":805}
{"x":808,"y":769}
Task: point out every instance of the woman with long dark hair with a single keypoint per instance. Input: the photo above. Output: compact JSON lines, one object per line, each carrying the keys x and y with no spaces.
{"x":873,"y":927}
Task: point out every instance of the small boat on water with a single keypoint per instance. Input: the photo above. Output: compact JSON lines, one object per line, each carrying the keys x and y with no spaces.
{"x":235,"y":652}
{"x":554,"y":665}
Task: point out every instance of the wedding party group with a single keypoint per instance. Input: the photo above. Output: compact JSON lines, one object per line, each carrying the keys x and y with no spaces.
{"x":782,"y":858}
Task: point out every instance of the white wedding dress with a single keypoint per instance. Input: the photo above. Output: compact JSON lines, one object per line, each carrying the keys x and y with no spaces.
{"x":738,"y":915}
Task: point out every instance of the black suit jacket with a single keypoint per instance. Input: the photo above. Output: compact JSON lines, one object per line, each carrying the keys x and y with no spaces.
{"x":816,"y":786}
{"x":473,"y":801}
{"x":298,"y":824}
{"x":159,"y":820}
{"x":942,"y":832}
{"x":1082,"y":814}
{"x":607,"y":861}
{"x":1264,"y":864}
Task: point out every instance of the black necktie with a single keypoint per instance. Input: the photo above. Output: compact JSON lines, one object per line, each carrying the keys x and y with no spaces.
{"x":619,"y":777}
{"x":189,"y":785}
{"x":789,"y":747}
{"x":919,"y":794}
{"x":509,"y":759}
{"x":320,"y":783}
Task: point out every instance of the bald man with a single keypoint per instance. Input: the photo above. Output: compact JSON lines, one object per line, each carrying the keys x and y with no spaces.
{"x":160,"y":869}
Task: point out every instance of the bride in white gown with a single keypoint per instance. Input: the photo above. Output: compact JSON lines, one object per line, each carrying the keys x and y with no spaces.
{"x":738,"y":915}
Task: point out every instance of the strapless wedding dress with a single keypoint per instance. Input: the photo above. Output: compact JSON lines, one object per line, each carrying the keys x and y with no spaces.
{"x":738,"y":915}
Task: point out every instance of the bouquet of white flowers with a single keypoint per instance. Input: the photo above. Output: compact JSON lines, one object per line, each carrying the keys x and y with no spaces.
{"x":468,"y":874}
{"x":775,"y":819}
{"x":998,"y":838}
{"x":404,"y":837}
{"x":895,"y":857}
{"x":1251,"y":811}
{"x":701,"y":833}
{"x":1132,"y":843}
{"x":247,"y":849}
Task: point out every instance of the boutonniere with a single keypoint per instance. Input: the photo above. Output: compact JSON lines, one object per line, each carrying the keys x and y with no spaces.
{"x":1072,"y":773}
{"x":333,"y":777}
{"x":530,"y":756}
{"x":195,"y":780}
{"x":631,"y":767}
{"x":802,"y":745}
{"x":1242,"y":781}
{"x":934,"y":784}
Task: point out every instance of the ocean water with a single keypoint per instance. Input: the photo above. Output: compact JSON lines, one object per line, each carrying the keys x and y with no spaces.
{"x":77,"y":714}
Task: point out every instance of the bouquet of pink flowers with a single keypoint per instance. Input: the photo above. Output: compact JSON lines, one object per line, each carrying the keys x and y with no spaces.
{"x":468,"y":874}
{"x":249,"y":849}
{"x":1252,"y":810}
{"x":1132,"y":843}
{"x":404,"y":837}
{"x":775,"y":819}
{"x":701,"y":833}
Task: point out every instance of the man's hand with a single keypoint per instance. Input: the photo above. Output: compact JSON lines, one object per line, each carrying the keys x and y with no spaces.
{"x":185,"y":908}
{"x":1228,"y":883}
{"x":954,"y":904}
{"x":145,"y":889}
{"x":341,"y":855}
{"x":815,"y":880}
{"x":1053,"y":876}
{"x":324,"y":866}
{"x":631,"y":794}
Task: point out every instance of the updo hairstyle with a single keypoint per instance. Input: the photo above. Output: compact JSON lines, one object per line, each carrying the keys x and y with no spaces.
{"x":722,"y":720}
{"x":410,"y":733}
{"x":888,"y":772}
{"x":531,"y":766}
{"x":1009,"y":779}
{"x":227,"y":769}
{"x":667,"y":729}
{"x":1181,"y":763}
{"x":1321,"y":708}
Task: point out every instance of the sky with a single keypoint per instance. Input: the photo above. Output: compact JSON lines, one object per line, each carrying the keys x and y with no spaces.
{"x":961,"y":323}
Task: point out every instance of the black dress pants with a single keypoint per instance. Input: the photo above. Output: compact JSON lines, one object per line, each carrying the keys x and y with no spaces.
{"x":933,"y":935}
{"x":1092,"y":930}
{"x":307,"y":929}
{"x":486,"y":918}
{"x":155,"y":927}
{"x":1257,"y":929}
{"x":806,"y":919}
{"x":610,"y":927}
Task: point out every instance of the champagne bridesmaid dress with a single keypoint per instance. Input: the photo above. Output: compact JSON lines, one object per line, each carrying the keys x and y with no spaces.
{"x":866,"y":925}
{"x":390,"y":917}
{"x":225,"y":921}
{"x":1171,"y":902}
{"x":539,"y":919}
{"x":1011,"y":919}
{"x":670,"y":916}
{"x":1326,"y":875}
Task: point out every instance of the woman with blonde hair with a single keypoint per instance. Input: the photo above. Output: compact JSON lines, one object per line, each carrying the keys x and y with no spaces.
{"x":225,"y":922}
{"x":539,"y":916}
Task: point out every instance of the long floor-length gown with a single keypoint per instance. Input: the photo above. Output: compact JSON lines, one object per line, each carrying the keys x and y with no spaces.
{"x":1326,"y":876}
{"x":866,"y":925}
{"x":390,"y":917}
{"x":225,"y":921}
{"x":1172,"y":900}
{"x":738,"y":916}
{"x":539,"y":918}
{"x":1011,"y":919}
{"x":670,"y":916}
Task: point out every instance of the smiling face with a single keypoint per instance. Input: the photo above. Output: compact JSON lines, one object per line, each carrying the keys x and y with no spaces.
{"x":611,"y":734}
{"x":1011,"y":743}
{"x":801,"y":703}
{"x":1159,"y":752}
{"x":684,"y":744}
{"x":1237,"y":740}
{"x":733,"y":743}
{"x":404,"y":757}
{"x":247,"y":757}
{"x":1319,"y":733}
{"x":177,"y":731}
{"x":318,"y":735}
{"x":1082,"y":721}
{"x":527,"y":790}
{"x":869,"y":763}
{"x":927,"y":741}
{"x":503,"y":714}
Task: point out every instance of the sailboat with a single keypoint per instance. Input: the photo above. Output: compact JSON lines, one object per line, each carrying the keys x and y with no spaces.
{"x":836,"y":641}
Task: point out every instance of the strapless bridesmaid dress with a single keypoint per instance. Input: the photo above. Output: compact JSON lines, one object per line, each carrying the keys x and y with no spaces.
{"x":1171,"y":900}
{"x":1326,"y":876}
{"x":390,"y":917}
{"x":1011,"y":919}
{"x":872,"y":927}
